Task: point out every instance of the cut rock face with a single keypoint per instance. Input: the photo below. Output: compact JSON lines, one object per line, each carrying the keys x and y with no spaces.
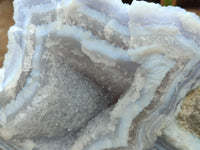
{"x":95,"y":75}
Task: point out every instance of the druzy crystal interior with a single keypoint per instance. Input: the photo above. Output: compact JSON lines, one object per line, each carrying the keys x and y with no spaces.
{"x":98,"y":75}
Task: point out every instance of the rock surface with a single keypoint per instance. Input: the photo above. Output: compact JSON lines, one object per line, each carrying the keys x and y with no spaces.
{"x":189,"y":115}
{"x":92,"y":75}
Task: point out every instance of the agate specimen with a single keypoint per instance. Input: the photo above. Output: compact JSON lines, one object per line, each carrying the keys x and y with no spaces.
{"x":98,"y":75}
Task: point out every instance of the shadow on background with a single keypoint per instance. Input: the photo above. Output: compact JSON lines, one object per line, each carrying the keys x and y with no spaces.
{"x":6,"y":13}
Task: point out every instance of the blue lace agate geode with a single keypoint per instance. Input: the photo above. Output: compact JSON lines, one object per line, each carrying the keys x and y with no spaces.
{"x":98,"y":74}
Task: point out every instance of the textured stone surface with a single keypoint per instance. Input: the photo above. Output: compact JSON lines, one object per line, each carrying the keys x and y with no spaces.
{"x":189,"y":115}
{"x":80,"y":75}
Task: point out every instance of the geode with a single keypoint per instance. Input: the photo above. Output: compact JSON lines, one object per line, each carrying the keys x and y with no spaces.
{"x":98,"y":75}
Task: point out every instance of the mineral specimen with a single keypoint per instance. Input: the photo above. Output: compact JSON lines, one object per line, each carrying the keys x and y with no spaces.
{"x":98,"y":74}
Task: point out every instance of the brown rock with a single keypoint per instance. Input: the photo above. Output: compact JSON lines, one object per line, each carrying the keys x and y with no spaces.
{"x":189,"y":116}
